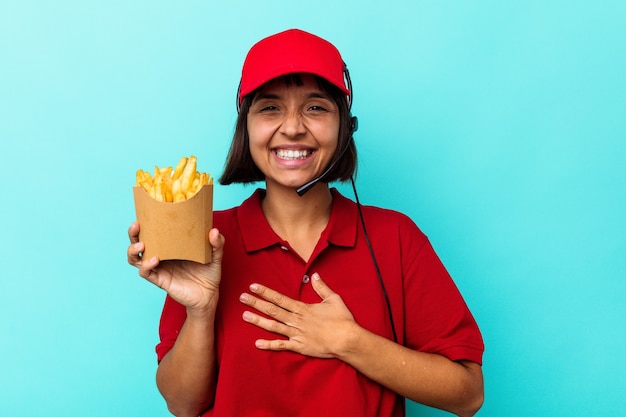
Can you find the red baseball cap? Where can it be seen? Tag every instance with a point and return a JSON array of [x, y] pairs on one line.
[[289, 52]]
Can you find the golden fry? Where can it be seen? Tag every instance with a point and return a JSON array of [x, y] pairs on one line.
[[145, 185], [159, 193], [144, 177], [176, 187], [179, 168], [188, 174], [139, 176]]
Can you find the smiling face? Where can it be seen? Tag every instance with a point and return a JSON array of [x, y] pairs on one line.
[[293, 131]]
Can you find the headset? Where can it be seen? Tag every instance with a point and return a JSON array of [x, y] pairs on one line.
[[354, 125]]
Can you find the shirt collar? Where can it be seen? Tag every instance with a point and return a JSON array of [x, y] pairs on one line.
[[257, 233]]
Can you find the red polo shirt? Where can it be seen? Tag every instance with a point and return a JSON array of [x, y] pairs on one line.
[[429, 313]]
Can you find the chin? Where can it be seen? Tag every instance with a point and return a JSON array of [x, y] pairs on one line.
[[290, 183]]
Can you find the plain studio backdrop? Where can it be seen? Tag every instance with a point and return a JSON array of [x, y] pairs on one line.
[[499, 127]]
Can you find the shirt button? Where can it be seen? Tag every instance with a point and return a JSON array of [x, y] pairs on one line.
[[285, 248], [306, 279]]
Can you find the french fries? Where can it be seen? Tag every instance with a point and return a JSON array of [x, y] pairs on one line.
[[173, 186]]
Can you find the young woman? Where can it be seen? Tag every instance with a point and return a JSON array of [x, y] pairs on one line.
[[313, 305]]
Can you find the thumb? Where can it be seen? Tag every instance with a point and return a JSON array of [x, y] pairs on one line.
[[320, 287], [216, 239]]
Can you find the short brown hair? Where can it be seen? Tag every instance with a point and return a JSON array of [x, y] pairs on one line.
[[240, 168]]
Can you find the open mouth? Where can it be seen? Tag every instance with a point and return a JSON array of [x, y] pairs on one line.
[[290, 154]]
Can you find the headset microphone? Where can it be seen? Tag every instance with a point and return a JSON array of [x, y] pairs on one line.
[[354, 125]]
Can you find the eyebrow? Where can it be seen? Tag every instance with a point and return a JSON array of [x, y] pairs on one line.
[[266, 96], [270, 96]]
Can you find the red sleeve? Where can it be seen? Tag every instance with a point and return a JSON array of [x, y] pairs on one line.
[[437, 317], [172, 320]]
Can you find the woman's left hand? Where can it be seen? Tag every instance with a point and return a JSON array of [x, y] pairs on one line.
[[316, 330]]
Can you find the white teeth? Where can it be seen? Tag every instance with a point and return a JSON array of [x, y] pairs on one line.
[[291, 154]]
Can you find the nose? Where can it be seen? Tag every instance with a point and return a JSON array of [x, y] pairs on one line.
[[292, 124]]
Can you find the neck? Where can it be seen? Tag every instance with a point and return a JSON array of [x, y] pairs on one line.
[[292, 215]]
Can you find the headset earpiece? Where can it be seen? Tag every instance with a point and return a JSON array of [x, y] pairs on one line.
[[354, 124]]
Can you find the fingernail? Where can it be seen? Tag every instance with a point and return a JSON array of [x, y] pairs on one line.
[[316, 276], [254, 287], [244, 297], [137, 245], [247, 316]]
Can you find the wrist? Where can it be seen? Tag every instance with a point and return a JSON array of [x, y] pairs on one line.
[[350, 342], [205, 311]]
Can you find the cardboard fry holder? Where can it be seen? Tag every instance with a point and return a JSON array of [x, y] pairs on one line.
[[176, 230]]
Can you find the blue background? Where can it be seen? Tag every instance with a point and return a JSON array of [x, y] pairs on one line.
[[497, 126]]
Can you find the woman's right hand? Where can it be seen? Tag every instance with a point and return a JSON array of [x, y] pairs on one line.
[[192, 284]]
